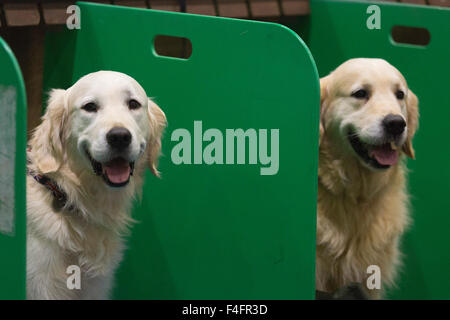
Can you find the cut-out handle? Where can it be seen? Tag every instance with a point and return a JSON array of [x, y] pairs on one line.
[[410, 35], [174, 47]]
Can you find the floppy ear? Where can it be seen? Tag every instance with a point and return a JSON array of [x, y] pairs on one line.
[[323, 95], [47, 140], [158, 123], [412, 104]]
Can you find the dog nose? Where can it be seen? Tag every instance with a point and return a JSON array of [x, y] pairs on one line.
[[119, 138], [394, 124]]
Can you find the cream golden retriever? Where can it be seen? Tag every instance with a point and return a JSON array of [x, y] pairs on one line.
[[86, 163], [368, 118]]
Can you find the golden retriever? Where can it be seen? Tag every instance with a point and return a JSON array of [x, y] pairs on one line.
[[368, 118], [86, 163]]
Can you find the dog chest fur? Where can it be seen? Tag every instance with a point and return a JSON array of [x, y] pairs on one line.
[[359, 223]]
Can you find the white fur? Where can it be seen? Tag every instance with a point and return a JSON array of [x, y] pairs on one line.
[[91, 236], [362, 212]]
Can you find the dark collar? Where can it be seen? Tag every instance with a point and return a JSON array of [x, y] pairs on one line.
[[58, 193]]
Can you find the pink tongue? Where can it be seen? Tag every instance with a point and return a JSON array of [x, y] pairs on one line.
[[385, 155], [118, 172]]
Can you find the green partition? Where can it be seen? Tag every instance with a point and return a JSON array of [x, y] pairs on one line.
[[13, 120], [338, 32], [217, 231]]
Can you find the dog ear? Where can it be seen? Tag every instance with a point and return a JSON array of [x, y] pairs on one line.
[[47, 140], [323, 95], [412, 109], [158, 123]]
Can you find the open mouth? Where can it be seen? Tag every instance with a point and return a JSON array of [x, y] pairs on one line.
[[381, 156], [116, 172]]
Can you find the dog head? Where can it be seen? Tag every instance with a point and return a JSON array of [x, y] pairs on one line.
[[368, 111], [104, 124]]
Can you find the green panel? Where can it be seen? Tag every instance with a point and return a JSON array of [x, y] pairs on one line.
[[338, 32], [58, 61], [13, 120], [218, 231]]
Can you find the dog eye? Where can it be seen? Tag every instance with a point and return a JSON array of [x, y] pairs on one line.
[[133, 104], [360, 94], [90, 107], [400, 94]]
